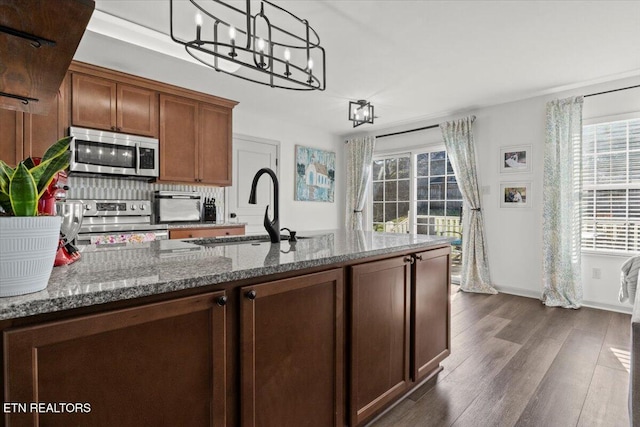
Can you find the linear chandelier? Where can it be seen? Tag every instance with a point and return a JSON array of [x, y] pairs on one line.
[[279, 50], [360, 112]]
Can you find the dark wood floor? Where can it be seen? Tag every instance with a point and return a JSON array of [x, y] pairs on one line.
[[515, 362]]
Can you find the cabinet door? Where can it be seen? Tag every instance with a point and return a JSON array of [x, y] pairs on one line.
[[190, 233], [162, 364], [431, 311], [137, 111], [215, 145], [11, 150], [178, 139], [380, 305], [93, 103], [41, 131], [292, 352]]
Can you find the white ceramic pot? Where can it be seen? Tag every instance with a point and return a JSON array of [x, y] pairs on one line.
[[28, 248]]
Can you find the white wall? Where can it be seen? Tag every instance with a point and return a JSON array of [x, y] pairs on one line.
[[514, 236], [299, 216]]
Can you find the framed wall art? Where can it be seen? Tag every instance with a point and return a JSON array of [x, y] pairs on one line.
[[515, 158], [315, 174], [515, 194]]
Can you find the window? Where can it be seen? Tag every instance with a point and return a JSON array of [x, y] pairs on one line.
[[438, 198], [611, 186], [428, 203], [391, 193]]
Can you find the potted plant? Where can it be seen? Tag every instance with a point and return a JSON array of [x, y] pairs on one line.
[[28, 241]]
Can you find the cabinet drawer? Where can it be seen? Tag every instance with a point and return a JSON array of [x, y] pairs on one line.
[[189, 233]]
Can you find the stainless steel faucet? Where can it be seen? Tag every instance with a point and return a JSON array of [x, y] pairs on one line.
[[272, 226]]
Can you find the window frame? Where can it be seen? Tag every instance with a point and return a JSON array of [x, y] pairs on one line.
[[412, 152], [609, 186]]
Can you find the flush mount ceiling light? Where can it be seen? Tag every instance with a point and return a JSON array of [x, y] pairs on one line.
[[272, 47], [360, 112]]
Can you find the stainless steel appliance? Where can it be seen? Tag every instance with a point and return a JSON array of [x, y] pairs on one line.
[[118, 222], [177, 206], [96, 151]]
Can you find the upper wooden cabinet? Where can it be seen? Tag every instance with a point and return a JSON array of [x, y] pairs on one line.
[[25, 135], [195, 141], [100, 103], [37, 72]]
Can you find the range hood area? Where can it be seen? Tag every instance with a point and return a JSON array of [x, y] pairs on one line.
[[38, 39]]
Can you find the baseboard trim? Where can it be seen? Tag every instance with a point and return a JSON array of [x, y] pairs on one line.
[[608, 307], [518, 291], [591, 304]]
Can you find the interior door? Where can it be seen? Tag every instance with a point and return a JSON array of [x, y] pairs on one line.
[[249, 156]]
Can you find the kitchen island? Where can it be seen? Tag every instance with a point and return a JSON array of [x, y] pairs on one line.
[[329, 330]]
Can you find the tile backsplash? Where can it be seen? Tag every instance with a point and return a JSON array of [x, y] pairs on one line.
[[89, 187]]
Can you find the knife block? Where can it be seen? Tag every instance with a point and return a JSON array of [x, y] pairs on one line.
[[210, 211]]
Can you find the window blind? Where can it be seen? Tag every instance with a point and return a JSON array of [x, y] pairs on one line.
[[611, 186]]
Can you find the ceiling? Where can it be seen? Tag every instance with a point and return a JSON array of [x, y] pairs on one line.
[[413, 60]]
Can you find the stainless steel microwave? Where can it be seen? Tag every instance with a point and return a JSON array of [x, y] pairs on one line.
[[101, 152]]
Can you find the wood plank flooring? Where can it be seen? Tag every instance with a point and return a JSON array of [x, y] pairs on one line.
[[515, 362]]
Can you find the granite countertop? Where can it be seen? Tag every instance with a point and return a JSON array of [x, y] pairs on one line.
[[118, 272], [204, 224]]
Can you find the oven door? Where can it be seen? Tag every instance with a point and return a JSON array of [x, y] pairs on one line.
[[121, 234]]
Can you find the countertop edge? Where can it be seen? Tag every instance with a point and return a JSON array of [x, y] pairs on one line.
[[68, 302]]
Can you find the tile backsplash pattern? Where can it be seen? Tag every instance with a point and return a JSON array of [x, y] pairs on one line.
[[89, 187]]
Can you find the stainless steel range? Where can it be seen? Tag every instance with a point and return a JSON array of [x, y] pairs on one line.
[[118, 222]]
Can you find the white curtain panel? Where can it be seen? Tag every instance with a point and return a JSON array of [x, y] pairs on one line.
[[359, 164], [458, 140], [561, 204]]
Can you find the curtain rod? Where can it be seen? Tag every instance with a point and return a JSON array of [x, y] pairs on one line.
[[404, 131], [407, 131], [612, 90], [435, 126]]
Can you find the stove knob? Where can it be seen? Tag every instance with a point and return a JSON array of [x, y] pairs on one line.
[[143, 207], [87, 207], [134, 207]]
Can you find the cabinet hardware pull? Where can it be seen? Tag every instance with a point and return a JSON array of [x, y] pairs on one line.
[[419, 257], [251, 295], [222, 301], [409, 259], [24, 99]]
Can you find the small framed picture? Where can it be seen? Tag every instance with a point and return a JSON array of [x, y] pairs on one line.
[[515, 194], [515, 158]]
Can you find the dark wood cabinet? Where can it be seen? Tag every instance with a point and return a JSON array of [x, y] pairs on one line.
[[27, 71], [195, 141], [292, 352], [157, 364], [380, 308], [25, 135], [100, 103], [11, 137], [400, 328], [431, 316]]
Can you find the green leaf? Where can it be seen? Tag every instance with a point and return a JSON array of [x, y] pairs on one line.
[[6, 173], [23, 192], [29, 163], [5, 203], [52, 167], [57, 149]]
